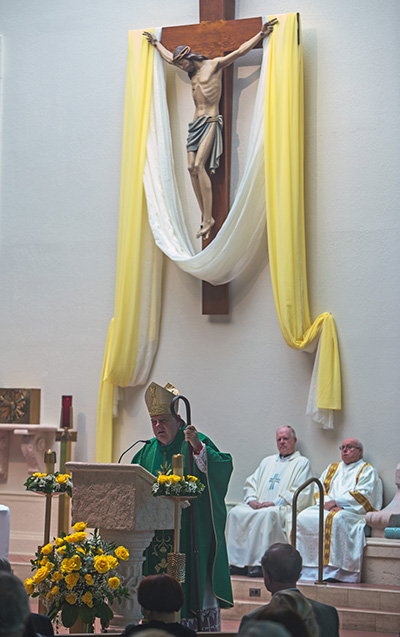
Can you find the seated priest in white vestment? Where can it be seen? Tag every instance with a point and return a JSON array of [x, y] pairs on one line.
[[265, 516], [352, 488]]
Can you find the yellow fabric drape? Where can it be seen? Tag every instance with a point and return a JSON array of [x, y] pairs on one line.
[[136, 256], [283, 151]]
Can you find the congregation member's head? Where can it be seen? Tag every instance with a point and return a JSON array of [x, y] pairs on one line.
[[286, 440], [258, 628], [281, 565], [352, 450], [5, 565], [295, 611], [158, 401], [284, 616], [14, 605], [154, 632], [159, 595]]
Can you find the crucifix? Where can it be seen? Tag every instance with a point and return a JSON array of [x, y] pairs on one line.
[[217, 34]]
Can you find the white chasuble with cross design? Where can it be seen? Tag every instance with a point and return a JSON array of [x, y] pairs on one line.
[[251, 531]]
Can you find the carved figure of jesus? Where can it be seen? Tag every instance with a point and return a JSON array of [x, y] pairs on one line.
[[205, 131]]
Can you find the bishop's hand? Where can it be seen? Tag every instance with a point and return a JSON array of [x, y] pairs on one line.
[[192, 437]]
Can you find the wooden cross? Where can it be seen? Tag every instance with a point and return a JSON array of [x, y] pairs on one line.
[[217, 34]]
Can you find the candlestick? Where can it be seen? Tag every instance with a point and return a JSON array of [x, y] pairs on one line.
[[65, 436]]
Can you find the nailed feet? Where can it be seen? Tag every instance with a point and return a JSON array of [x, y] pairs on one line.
[[205, 228]]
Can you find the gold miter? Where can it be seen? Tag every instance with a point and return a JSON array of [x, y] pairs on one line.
[[158, 399]]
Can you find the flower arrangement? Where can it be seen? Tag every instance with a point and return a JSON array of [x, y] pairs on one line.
[[175, 485], [49, 483], [76, 576]]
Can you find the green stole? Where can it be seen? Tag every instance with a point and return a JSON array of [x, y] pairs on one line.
[[210, 520]]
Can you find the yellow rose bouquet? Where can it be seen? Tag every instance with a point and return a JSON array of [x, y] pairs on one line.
[[49, 483], [76, 576], [175, 485]]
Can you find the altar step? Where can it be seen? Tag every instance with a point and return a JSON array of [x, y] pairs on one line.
[[361, 607], [21, 565]]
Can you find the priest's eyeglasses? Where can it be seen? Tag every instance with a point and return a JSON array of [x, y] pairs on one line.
[[348, 447]]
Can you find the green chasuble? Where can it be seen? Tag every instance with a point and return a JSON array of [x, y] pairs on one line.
[[210, 520]]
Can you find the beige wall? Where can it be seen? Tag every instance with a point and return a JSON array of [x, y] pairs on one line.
[[63, 92]]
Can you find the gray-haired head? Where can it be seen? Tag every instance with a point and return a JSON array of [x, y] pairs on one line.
[[360, 445], [352, 450], [286, 440], [14, 605], [292, 430]]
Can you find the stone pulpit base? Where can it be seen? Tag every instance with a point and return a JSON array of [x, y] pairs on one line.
[[117, 500]]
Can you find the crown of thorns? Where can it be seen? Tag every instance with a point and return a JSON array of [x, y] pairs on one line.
[[181, 52]]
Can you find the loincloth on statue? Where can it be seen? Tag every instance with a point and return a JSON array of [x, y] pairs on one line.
[[198, 129]]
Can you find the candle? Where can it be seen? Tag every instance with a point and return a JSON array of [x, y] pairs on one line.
[[66, 412], [178, 464], [50, 460]]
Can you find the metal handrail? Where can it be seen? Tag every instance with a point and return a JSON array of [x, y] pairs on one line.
[[321, 524]]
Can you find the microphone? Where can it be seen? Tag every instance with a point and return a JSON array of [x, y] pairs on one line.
[[146, 442]]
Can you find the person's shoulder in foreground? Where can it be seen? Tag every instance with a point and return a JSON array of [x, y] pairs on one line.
[[281, 565], [42, 625], [14, 605]]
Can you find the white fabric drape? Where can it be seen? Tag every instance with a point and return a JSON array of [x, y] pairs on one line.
[[236, 242], [323, 416], [233, 247]]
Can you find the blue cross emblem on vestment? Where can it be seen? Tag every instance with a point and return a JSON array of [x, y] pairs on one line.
[[274, 480]]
